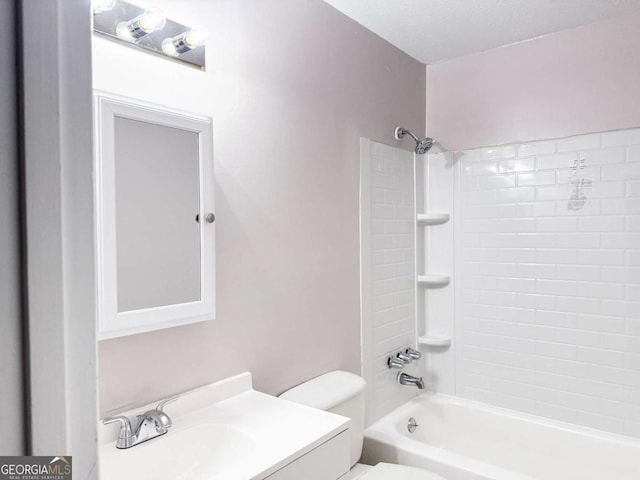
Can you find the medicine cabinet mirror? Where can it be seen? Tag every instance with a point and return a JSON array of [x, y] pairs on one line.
[[155, 209]]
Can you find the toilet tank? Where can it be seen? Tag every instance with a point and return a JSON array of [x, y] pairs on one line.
[[337, 392]]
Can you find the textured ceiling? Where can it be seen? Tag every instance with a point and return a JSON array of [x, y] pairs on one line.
[[437, 30]]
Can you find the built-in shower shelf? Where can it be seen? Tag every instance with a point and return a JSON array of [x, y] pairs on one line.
[[435, 341], [433, 281], [433, 218]]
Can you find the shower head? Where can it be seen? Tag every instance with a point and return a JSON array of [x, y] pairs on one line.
[[422, 146]]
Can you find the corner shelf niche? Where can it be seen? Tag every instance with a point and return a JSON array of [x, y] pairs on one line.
[[433, 281], [441, 341], [432, 218]]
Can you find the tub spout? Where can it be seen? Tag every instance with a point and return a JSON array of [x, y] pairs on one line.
[[406, 379]]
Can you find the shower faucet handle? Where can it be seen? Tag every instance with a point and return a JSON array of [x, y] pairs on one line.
[[414, 354], [404, 357], [394, 362]]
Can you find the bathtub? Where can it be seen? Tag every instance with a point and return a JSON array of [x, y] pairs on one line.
[[465, 440]]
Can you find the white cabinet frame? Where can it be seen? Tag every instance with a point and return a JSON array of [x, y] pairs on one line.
[[111, 322]]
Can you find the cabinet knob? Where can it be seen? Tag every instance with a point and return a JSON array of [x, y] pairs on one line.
[[210, 218]]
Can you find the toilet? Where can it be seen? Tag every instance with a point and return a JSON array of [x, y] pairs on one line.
[[342, 393]]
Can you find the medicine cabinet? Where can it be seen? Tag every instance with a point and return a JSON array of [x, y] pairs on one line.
[[155, 216]]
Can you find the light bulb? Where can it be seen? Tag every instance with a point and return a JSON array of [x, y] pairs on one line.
[[99, 6], [149, 21], [176, 46], [196, 36], [169, 47], [124, 32], [152, 19]]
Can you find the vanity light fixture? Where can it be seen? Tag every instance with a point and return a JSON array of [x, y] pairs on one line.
[[149, 30], [99, 6], [176, 46], [151, 20]]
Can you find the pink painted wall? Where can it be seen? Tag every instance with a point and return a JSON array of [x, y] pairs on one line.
[[291, 86], [577, 81]]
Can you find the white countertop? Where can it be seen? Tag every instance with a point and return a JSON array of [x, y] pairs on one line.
[[279, 432]]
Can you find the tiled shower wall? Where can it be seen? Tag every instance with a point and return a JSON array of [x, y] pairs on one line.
[[388, 271], [548, 265]]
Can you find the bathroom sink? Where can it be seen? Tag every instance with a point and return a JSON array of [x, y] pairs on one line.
[[223, 431], [212, 449]]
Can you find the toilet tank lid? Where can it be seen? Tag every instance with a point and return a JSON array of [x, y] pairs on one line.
[[326, 391]]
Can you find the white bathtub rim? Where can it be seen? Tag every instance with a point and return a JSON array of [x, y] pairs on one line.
[[440, 460], [387, 432], [390, 420]]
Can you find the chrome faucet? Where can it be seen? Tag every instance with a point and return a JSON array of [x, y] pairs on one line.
[[406, 379], [151, 424], [403, 358], [413, 354]]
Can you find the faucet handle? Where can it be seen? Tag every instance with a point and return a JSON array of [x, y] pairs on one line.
[[166, 401], [415, 354], [125, 435], [393, 362], [125, 423], [404, 357]]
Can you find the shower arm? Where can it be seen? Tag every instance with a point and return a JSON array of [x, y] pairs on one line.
[[422, 146], [403, 131]]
